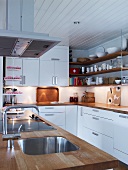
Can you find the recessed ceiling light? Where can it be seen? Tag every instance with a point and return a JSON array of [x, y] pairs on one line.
[[76, 22]]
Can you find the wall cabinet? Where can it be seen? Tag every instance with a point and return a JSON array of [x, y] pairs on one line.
[[27, 75], [13, 76], [54, 67], [71, 119], [30, 72], [53, 73], [54, 114]]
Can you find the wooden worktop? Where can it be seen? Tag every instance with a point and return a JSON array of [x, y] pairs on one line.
[[87, 157], [119, 109]]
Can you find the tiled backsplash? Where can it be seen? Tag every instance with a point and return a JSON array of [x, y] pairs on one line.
[[29, 94]]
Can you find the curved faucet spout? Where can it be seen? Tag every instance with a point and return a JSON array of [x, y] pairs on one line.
[[14, 107]]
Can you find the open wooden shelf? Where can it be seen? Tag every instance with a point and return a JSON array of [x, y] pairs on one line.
[[99, 85], [101, 72], [104, 58]]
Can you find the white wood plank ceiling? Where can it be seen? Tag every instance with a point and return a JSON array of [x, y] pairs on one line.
[[100, 20]]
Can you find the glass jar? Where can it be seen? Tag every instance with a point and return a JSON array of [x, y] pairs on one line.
[[75, 97], [119, 61]]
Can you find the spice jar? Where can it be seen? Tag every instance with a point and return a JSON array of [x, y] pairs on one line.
[[75, 97]]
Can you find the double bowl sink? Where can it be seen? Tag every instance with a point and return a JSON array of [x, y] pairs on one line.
[[46, 145]]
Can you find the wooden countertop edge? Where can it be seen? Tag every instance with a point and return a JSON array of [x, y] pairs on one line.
[[87, 157], [118, 109]]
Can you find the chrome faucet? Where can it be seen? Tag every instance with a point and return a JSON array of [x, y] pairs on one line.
[[11, 137]]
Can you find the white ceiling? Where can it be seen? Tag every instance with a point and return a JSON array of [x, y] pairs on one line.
[[100, 20]]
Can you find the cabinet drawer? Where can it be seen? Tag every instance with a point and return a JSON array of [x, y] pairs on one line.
[[49, 109], [101, 141], [121, 156], [55, 118], [101, 125], [99, 112]]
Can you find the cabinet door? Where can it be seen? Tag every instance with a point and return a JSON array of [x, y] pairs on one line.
[[13, 62], [30, 72], [80, 123], [71, 119], [61, 73], [46, 73], [58, 52], [101, 141], [55, 118], [121, 133]]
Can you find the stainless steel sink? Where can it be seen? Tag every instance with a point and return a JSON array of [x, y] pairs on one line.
[[46, 145]]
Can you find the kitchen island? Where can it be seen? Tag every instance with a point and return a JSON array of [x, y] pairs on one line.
[[87, 157]]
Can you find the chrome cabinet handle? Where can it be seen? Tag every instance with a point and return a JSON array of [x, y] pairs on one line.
[[122, 116], [21, 82], [81, 111], [53, 80], [49, 114], [95, 118], [24, 79], [94, 133], [49, 107], [55, 59], [94, 110], [56, 80]]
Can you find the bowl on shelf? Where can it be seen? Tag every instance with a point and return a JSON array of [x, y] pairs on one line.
[[92, 56], [101, 54], [113, 50], [117, 81]]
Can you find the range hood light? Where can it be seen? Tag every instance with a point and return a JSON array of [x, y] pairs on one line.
[[20, 46]]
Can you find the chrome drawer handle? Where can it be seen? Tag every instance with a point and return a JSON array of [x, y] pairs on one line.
[[55, 59], [122, 116], [94, 133], [94, 110], [95, 118], [49, 114], [81, 111], [49, 107]]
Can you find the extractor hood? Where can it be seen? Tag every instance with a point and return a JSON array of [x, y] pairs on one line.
[[25, 44]]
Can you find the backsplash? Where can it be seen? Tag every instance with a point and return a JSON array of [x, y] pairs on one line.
[[29, 94]]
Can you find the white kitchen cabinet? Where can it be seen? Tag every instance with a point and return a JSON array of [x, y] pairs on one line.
[[30, 72], [11, 71], [54, 114], [59, 52], [96, 127], [71, 119], [54, 67], [53, 73], [80, 133], [99, 140], [121, 137]]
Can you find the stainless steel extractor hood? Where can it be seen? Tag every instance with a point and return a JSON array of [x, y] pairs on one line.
[[25, 44]]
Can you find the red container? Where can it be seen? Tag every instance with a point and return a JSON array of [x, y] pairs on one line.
[[74, 70]]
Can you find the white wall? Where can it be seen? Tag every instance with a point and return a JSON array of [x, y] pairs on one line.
[[29, 94], [1, 82]]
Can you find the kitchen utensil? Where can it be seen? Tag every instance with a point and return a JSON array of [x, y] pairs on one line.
[[92, 56], [117, 81]]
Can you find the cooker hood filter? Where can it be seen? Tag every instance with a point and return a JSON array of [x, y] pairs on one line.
[[25, 44]]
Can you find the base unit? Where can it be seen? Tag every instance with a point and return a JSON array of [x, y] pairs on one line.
[[121, 156], [99, 140], [54, 114]]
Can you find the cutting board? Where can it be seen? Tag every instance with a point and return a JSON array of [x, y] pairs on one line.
[[50, 94], [114, 96]]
